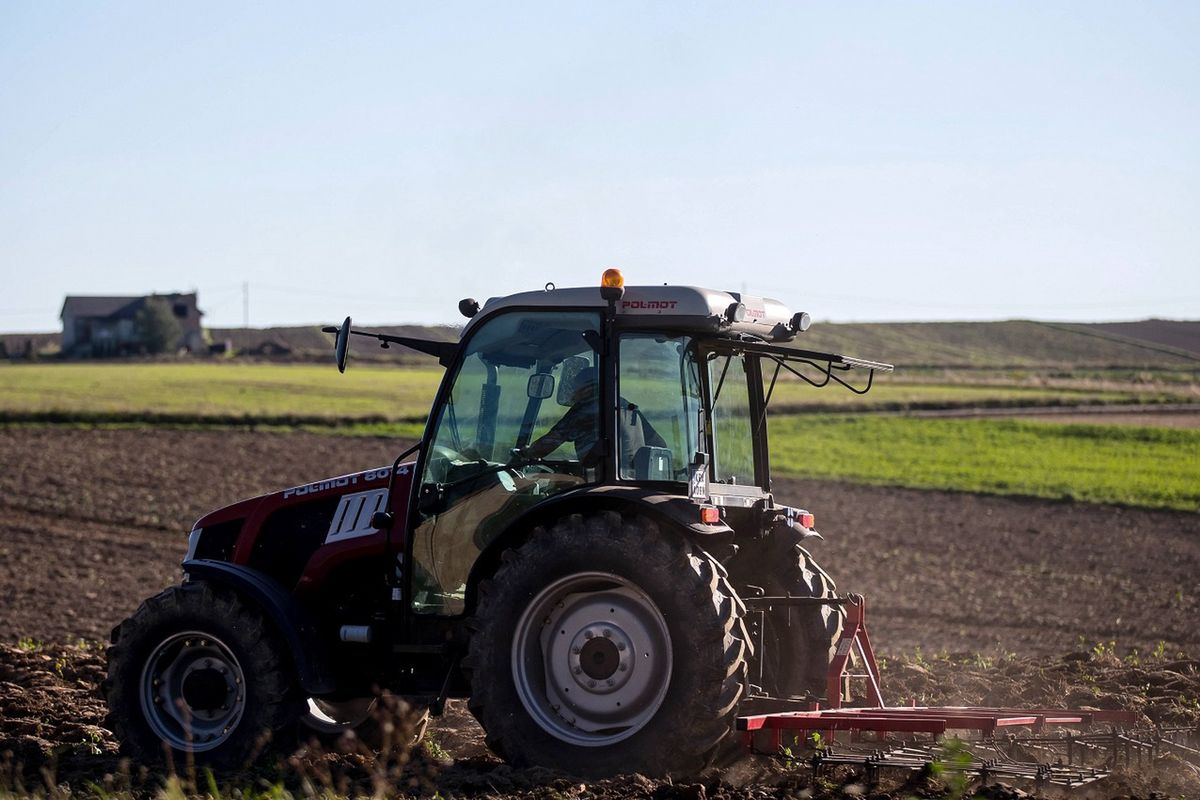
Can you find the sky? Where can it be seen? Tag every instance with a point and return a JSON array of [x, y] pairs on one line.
[[890, 161]]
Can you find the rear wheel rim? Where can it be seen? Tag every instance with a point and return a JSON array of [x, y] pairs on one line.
[[193, 691], [591, 659]]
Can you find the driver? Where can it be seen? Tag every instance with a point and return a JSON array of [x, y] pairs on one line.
[[580, 426]]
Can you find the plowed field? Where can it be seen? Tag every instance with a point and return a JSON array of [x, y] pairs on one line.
[[92, 521]]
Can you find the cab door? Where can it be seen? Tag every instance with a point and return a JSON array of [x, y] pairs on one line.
[[516, 378]]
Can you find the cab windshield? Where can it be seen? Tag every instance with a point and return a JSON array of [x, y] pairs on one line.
[[520, 423]]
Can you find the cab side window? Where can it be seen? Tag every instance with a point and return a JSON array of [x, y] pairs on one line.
[[658, 407], [733, 435]]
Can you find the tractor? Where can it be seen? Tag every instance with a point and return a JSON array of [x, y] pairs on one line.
[[569, 547]]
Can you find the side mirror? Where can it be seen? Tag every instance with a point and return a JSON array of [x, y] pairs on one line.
[[341, 345], [540, 386]]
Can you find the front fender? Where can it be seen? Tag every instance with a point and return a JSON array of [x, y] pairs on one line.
[[290, 619]]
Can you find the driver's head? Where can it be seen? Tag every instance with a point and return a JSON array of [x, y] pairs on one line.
[[585, 384]]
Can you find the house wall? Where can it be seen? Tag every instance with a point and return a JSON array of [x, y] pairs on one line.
[[110, 335]]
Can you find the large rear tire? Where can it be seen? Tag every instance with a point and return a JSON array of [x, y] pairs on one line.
[[198, 670], [604, 645], [797, 641]]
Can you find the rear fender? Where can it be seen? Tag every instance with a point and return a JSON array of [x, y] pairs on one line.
[[675, 514], [290, 619]]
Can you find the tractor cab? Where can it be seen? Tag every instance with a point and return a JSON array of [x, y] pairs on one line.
[[583, 391]]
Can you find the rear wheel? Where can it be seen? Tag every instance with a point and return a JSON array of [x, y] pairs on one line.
[[603, 645], [197, 670], [797, 641]]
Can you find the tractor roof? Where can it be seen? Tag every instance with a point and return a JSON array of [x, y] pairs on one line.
[[685, 308]]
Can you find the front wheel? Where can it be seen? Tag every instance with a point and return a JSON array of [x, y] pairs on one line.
[[197, 669], [605, 645]]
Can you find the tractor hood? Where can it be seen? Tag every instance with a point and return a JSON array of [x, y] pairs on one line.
[[324, 489], [304, 530]]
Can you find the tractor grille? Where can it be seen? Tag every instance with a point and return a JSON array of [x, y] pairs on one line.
[[217, 541], [289, 537]]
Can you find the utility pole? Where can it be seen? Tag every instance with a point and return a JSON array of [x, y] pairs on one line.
[[245, 304]]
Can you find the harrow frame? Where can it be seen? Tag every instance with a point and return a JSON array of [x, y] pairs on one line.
[[1000, 742]]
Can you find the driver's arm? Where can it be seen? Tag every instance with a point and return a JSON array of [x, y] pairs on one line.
[[556, 437]]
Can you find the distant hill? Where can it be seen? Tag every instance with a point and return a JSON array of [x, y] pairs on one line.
[[1154, 343], [1016, 343]]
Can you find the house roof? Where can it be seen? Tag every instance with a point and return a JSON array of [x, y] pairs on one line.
[[118, 307]]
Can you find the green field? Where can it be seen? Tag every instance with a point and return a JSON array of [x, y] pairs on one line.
[[250, 391], [184, 392], [1125, 465], [1138, 466], [1152, 467]]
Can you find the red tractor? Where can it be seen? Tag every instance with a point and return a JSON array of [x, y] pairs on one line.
[[568, 546]]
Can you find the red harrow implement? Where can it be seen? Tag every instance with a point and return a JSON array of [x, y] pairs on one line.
[[1048, 746]]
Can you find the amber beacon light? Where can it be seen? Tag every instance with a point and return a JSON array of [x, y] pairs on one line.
[[612, 285]]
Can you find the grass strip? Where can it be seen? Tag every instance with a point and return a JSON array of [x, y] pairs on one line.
[[1125, 465]]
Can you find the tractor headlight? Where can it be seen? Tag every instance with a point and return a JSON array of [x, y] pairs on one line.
[[193, 543]]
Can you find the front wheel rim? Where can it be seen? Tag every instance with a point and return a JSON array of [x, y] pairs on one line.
[[592, 659], [193, 691]]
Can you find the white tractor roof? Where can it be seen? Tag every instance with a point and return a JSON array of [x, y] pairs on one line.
[[690, 307]]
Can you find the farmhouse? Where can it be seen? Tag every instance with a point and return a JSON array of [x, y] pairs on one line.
[[104, 326]]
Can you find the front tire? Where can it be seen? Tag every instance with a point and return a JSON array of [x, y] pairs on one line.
[[197, 670], [604, 645]]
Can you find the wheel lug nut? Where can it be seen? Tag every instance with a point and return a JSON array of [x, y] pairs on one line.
[[611, 682], [591, 684], [621, 646], [624, 667], [607, 633], [578, 670], [576, 650], [589, 634]]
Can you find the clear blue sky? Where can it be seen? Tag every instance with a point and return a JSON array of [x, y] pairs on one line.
[[862, 162]]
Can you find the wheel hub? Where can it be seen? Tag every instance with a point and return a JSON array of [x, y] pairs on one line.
[[193, 691], [205, 690], [592, 659], [599, 658]]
